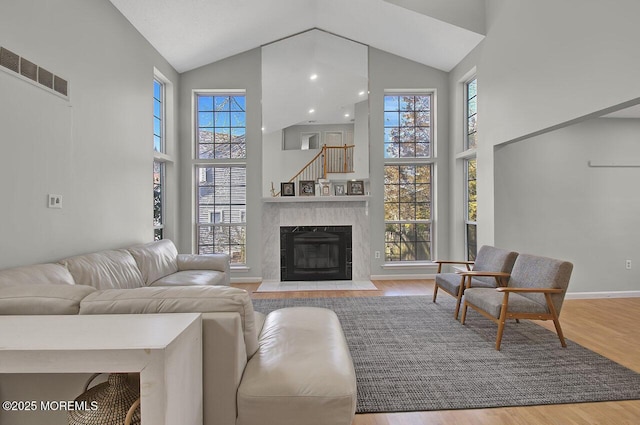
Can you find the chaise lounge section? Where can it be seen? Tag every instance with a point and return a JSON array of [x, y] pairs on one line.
[[292, 366]]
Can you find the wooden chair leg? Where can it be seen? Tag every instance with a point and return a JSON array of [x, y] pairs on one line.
[[556, 321], [459, 298], [464, 312], [502, 319], [435, 287]]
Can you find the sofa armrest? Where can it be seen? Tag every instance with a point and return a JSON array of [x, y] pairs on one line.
[[218, 262]]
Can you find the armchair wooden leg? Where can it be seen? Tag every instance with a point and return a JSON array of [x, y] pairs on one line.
[[459, 298], [502, 319], [464, 312], [556, 321], [435, 292]]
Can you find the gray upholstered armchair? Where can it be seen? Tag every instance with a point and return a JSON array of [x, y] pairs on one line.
[[494, 263], [536, 290]]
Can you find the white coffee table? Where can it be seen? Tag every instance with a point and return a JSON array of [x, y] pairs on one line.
[[166, 349]]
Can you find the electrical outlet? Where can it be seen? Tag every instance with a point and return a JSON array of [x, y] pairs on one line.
[[627, 264], [376, 254], [55, 201]]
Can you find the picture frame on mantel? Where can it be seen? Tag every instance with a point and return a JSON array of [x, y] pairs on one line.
[[338, 189], [355, 187], [288, 189], [307, 188]]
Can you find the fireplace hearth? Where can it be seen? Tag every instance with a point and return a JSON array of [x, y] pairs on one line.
[[315, 253]]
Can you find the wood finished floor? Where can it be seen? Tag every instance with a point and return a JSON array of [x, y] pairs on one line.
[[609, 327]]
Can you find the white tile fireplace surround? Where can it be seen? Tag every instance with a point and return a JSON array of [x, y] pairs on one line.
[[279, 212]]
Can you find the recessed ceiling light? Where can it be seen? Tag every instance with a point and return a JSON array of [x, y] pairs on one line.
[[313, 77], [346, 115], [361, 93], [311, 111]]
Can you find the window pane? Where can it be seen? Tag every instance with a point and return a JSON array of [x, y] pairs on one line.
[[471, 140], [407, 203], [222, 206], [472, 242], [158, 197], [410, 126], [222, 121], [391, 103]]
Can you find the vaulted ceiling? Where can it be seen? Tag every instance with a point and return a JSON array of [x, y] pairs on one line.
[[193, 33]]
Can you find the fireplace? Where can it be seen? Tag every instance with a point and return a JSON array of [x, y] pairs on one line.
[[315, 253]]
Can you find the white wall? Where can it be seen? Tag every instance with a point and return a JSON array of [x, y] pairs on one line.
[[95, 149], [389, 72], [545, 63], [553, 203], [237, 72]]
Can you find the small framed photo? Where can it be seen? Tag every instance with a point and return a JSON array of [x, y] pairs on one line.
[[338, 189], [288, 189], [355, 187], [325, 189], [307, 188]]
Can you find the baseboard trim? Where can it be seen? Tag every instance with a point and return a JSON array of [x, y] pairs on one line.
[[403, 276], [604, 294]]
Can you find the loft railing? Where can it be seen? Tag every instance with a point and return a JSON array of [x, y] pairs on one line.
[[330, 159]]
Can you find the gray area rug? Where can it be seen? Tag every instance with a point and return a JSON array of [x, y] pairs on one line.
[[411, 355]]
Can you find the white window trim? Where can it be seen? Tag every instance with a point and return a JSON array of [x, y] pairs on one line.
[[432, 161], [197, 163]]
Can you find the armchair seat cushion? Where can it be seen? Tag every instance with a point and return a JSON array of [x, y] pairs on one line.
[[490, 300], [450, 282], [192, 278]]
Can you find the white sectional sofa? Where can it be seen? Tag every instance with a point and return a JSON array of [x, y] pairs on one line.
[[290, 367]]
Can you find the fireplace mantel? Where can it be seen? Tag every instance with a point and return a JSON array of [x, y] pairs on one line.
[[296, 199]]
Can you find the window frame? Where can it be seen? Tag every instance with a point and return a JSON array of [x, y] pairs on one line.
[[158, 227], [468, 116], [159, 156], [468, 222], [216, 162], [414, 161]]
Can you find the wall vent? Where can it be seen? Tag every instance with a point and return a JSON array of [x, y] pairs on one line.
[[45, 78], [9, 60], [29, 71]]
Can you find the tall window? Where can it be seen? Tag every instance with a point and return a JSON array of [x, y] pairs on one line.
[[221, 175], [408, 135], [471, 90], [471, 210], [471, 142], [158, 166]]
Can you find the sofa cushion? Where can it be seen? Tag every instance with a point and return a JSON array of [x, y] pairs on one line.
[[42, 299], [105, 269], [184, 299], [37, 274], [301, 374], [155, 260], [192, 277]]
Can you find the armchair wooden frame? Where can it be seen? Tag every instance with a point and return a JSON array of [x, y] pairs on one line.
[[466, 275], [505, 314], [458, 296]]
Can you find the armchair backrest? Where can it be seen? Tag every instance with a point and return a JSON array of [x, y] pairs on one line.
[[492, 259], [531, 271]]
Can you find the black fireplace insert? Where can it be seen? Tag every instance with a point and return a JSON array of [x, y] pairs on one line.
[[315, 253]]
